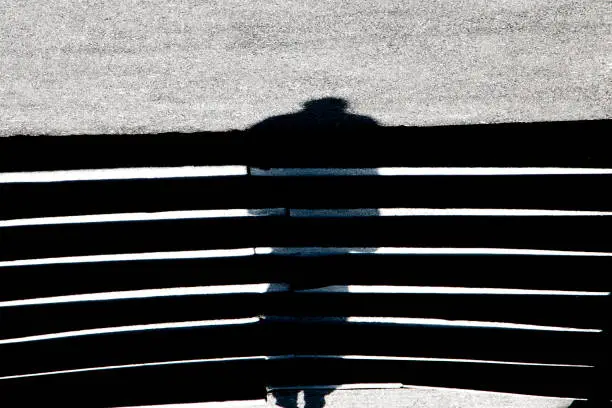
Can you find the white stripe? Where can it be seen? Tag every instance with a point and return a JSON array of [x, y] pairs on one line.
[[239, 213], [122, 174], [486, 171], [319, 251], [425, 359], [209, 253], [139, 327], [122, 217], [151, 293], [486, 251], [463, 323], [279, 357], [220, 404], [407, 212], [383, 289], [425, 171], [115, 367], [409, 321]]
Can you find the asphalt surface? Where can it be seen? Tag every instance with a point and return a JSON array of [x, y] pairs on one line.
[[133, 66], [409, 398]]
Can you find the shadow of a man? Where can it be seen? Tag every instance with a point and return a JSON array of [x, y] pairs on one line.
[[321, 124]]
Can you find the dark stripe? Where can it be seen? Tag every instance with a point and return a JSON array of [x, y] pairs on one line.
[[492, 271], [565, 311], [133, 237], [27, 282], [561, 192], [503, 145], [553, 233], [108, 151], [513, 144], [342, 338], [552, 381], [52, 318], [217, 381], [106, 197], [550, 233], [131, 348], [499, 271]]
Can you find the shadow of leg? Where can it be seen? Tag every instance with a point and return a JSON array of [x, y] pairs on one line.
[[315, 398], [285, 399]]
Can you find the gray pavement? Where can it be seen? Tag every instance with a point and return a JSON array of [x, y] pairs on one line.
[[132, 66], [411, 398]]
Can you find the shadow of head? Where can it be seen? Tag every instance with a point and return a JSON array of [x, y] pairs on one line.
[[326, 106], [317, 114]]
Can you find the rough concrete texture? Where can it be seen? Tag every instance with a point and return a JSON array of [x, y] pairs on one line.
[[412, 398], [134, 66]]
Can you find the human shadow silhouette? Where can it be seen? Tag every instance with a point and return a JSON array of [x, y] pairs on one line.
[[321, 122]]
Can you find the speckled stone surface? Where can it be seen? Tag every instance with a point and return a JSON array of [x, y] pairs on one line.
[[134, 66], [410, 398]]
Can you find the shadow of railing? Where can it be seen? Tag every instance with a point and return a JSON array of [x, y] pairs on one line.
[[321, 158]]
